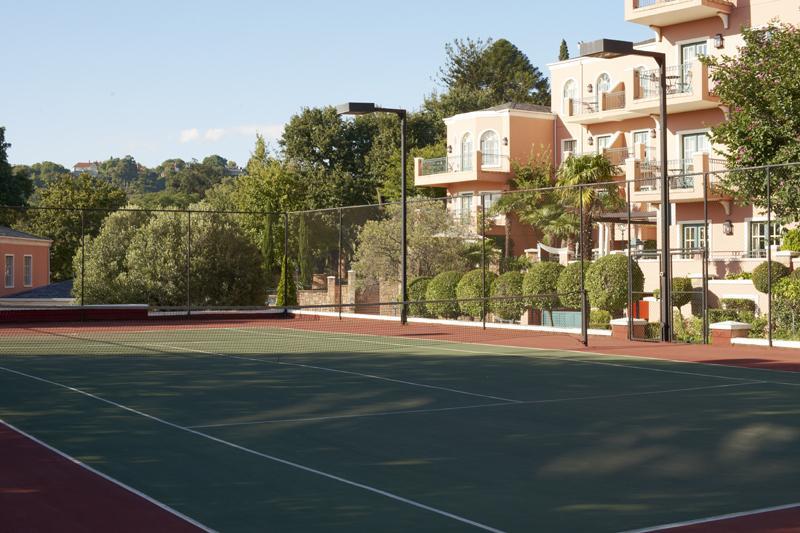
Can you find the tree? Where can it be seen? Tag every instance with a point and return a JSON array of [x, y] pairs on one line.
[[121, 172], [15, 184], [304, 267], [595, 170], [607, 283], [59, 219], [563, 51], [763, 126], [540, 284], [479, 74], [287, 290], [46, 171]]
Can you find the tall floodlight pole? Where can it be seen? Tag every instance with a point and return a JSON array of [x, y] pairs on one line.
[[609, 49], [365, 108]]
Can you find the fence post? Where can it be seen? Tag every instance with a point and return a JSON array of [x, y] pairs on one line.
[[83, 262], [630, 261], [188, 264], [706, 238], [769, 257], [285, 261], [339, 285], [483, 259], [584, 303]]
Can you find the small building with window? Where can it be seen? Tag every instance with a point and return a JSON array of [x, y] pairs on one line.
[[25, 261]]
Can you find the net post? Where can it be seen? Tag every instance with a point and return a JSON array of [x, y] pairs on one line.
[[769, 257], [706, 236], [584, 325], [338, 287], [483, 260], [188, 263], [630, 260], [285, 262], [83, 263]]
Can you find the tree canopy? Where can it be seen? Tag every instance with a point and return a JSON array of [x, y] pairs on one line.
[[15, 183]]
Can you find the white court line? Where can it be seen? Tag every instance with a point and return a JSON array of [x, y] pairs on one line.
[[276, 459], [715, 518], [326, 369], [83, 465], [477, 406]]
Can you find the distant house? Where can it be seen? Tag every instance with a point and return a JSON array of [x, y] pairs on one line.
[[25, 261], [88, 167]]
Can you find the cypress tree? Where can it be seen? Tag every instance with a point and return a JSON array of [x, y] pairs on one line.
[[563, 51]]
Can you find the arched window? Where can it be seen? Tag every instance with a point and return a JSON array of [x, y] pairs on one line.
[[490, 149], [466, 152], [570, 93], [603, 86]]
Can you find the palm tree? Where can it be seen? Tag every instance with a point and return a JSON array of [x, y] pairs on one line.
[[590, 169]]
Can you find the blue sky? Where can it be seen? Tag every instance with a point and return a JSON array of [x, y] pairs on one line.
[[85, 80]]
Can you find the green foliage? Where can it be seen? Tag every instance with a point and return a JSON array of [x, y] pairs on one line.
[[758, 327], [563, 51], [791, 240], [64, 226], [15, 183], [193, 178], [469, 287], [722, 315], [510, 285], [682, 291], [599, 319], [761, 275], [569, 284], [687, 329], [607, 283], [764, 120], [739, 275], [542, 279], [478, 74], [738, 304], [514, 264], [303, 255], [443, 287], [287, 290], [416, 293], [786, 305], [46, 171]]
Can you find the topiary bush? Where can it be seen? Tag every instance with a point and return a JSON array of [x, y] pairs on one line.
[[738, 304], [569, 284], [508, 284], [786, 306], [739, 275], [682, 291], [443, 287], [599, 319], [542, 279], [791, 240], [761, 275], [416, 294], [470, 287], [607, 283]]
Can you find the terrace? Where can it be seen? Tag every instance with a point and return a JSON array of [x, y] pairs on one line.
[[473, 166], [662, 13]]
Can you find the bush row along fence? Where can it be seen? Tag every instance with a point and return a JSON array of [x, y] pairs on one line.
[[571, 257]]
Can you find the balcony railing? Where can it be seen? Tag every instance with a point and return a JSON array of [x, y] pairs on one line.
[[650, 172], [443, 165], [595, 104], [678, 77], [615, 100], [585, 106], [616, 156], [648, 3]]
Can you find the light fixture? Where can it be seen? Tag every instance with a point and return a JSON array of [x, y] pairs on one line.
[[652, 133], [589, 88], [727, 227], [449, 148], [505, 141], [719, 41], [590, 141]]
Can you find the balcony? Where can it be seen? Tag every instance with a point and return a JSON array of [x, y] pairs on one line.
[[688, 89], [475, 166], [660, 13], [608, 107], [687, 179]]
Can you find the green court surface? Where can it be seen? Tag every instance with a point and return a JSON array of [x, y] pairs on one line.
[[273, 429]]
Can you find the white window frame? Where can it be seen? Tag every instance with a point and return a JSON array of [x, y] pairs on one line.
[[680, 135], [496, 162], [748, 237], [564, 148], [679, 237], [564, 99], [648, 151], [597, 148], [489, 202], [7, 270], [27, 270], [466, 158]]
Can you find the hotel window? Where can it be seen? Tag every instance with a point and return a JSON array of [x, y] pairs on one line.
[[27, 270], [9, 274], [569, 145], [570, 93], [758, 237], [490, 149], [466, 152], [643, 138], [465, 209], [603, 86], [693, 237], [602, 143], [691, 144], [489, 199]]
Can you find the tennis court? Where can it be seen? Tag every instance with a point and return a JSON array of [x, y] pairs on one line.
[[291, 425]]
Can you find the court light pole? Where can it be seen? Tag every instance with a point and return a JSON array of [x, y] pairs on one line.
[[365, 108], [609, 49]]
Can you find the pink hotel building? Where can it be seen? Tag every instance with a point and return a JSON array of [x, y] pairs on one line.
[[610, 106]]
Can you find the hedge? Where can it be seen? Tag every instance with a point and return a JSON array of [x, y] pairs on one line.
[[508, 284], [738, 304], [569, 284], [791, 240], [682, 291], [599, 319], [470, 287], [542, 278], [416, 293], [443, 287], [607, 283], [761, 275]]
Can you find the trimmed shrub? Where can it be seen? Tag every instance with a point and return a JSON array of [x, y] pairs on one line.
[[607, 283], [470, 287], [687, 329], [786, 305], [739, 275], [416, 293], [738, 304], [286, 285], [761, 275], [443, 287], [791, 240], [682, 291], [542, 278], [569, 284], [508, 284], [599, 319], [758, 329]]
